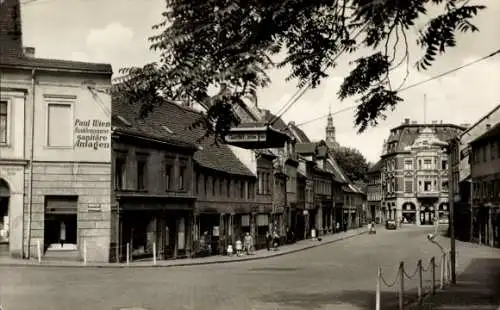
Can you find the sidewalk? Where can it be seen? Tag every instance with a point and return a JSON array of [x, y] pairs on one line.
[[478, 283], [260, 254]]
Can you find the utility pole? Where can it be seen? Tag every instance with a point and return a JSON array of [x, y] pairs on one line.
[[453, 144]]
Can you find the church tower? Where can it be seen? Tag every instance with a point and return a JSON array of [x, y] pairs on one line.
[[330, 132]]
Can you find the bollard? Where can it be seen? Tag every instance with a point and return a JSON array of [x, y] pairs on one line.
[[433, 266], [401, 285], [154, 253], [85, 252], [420, 280], [377, 292], [39, 251], [445, 268], [128, 254], [441, 275]]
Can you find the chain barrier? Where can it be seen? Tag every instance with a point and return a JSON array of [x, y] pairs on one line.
[[394, 282], [402, 274]]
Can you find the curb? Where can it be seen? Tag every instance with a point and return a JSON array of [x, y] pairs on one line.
[[121, 265]]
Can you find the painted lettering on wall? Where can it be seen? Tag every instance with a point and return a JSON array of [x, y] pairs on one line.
[[92, 134]]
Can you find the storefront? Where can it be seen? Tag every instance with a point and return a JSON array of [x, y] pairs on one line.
[[409, 212], [427, 215]]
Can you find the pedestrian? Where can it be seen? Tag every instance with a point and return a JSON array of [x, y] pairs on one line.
[[337, 227], [247, 243], [269, 238], [62, 234], [276, 240]]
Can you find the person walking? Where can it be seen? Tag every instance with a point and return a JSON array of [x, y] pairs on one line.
[[248, 243], [269, 239], [62, 234]]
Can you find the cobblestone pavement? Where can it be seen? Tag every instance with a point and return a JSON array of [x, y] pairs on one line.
[[340, 276]]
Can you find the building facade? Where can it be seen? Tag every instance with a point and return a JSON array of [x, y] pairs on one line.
[[55, 150], [465, 225], [415, 173], [374, 193], [485, 174]]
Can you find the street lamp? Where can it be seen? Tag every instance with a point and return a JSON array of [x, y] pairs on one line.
[[452, 198]]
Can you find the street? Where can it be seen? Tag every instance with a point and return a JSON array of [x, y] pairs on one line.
[[341, 275]]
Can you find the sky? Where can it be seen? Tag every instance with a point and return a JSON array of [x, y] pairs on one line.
[[102, 31]]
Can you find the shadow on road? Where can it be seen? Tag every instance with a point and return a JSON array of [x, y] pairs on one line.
[[478, 287]]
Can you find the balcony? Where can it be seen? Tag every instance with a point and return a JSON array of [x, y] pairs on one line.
[[428, 194]]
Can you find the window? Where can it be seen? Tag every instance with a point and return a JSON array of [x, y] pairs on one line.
[[419, 164], [483, 150], [142, 165], [251, 188], [444, 164], [493, 149], [3, 122], [242, 189], [120, 171], [182, 177], [205, 185], [60, 125], [228, 188], [408, 186], [408, 164], [214, 186], [221, 186], [444, 186], [260, 185], [427, 186], [169, 173], [427, 164]]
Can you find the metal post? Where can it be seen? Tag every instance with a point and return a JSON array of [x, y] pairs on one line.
[[445, 267], [420, 280], [39, 251], [433, 266], [377, 292], [154, 253], [441, 275], [128, 253], [85, 252], [451, 206], [401, 285]]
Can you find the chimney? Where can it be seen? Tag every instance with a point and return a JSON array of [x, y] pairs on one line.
[[11, 38], [434, 122], [407, 121], [29, 51]]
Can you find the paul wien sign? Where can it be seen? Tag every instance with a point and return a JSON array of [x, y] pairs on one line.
[[92, 134]]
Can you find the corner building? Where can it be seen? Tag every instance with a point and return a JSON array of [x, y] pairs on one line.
[[415, 173], [55, 151]]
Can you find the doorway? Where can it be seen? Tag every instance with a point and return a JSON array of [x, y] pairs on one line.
[[427, 215], [60, 231], [4, 217]]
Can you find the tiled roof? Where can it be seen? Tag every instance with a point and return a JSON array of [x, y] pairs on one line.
[[377, 167], [172, 121], [493, 132]]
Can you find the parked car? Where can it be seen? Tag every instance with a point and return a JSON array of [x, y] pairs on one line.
[[390, 224]]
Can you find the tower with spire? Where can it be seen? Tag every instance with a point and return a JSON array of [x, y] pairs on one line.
[[330, 131]]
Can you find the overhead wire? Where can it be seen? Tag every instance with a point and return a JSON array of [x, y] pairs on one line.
[[410, 86]]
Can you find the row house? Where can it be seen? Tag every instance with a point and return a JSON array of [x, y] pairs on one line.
[[485, 174], [55, 151], [415, 172], [374, 193], [466, 212]]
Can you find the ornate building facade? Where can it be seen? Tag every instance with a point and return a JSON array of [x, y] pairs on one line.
[[415, 173]]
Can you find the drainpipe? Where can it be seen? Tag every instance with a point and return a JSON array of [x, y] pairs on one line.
[[30, 170]]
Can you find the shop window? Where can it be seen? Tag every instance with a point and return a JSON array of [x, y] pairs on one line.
[[60, 125], [4, 116]]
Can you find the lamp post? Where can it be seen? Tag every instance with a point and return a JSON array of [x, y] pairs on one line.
[[452, 198]]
